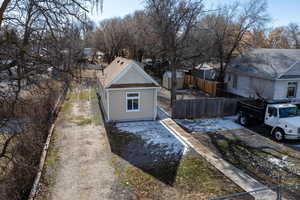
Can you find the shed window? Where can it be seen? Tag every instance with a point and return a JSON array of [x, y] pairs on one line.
[[132, 101], [234, 81], [292, 90]]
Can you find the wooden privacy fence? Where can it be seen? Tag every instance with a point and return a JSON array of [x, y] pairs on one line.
[[210, 87], [206, 107]]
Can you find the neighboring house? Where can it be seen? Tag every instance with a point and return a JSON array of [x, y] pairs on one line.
[[127, 92], [266, 73], [167, 80]]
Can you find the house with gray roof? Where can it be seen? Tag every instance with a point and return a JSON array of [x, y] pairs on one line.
[[127, 92], [272, 74]]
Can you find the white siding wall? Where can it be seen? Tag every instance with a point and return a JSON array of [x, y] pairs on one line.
[[243, 84], [281, 89], [263, 87], [248, 86]]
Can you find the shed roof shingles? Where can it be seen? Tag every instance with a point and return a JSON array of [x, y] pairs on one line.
[[114, 69], [133, 85]]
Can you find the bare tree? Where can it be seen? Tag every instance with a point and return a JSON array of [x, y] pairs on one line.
[[293, 32], [39, 43], [140, 40], [130, 35], [6, 4], [278, 38], [115, 34], [31, 45], [172, 22], [111, 38], [257, 38], [228, 27]]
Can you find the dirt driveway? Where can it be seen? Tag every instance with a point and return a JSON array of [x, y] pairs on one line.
[[78, 165]]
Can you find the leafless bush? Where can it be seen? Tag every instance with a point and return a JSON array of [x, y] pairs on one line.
[[21, 158]]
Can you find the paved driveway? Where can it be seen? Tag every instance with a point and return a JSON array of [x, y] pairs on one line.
[[262, 130]]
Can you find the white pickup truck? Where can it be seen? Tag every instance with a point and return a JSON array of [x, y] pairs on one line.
[[282, 118]]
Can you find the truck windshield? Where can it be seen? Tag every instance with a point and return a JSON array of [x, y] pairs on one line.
[[287, 112]]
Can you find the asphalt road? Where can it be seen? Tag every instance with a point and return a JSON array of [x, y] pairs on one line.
[[262, 130]]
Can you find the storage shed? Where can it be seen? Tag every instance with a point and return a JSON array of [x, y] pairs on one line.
[[167, 82], [127, 92]]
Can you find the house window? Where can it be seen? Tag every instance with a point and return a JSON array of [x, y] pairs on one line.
[[229, 78], [234, 81], [292, 90], [132, 102]]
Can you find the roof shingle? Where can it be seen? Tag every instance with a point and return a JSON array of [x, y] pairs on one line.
[[268, 63]]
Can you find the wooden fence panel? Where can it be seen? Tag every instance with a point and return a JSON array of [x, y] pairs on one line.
[[206, 107], [207, 86]]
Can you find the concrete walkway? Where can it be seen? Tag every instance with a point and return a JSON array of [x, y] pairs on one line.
[[242, 179]]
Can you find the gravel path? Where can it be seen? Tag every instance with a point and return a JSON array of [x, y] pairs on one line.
[[84, 169]]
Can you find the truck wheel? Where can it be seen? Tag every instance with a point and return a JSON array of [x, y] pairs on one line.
[[243, 119], [278, 135]]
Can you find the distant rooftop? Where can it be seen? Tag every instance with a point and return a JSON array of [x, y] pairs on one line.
[[268, 63]]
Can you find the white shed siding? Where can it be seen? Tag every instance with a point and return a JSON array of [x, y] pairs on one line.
[[132, 76], [102, 92], [117, 108]]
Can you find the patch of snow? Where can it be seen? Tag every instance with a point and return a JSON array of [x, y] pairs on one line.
[[154, 134], [283, 163], [210, 125]]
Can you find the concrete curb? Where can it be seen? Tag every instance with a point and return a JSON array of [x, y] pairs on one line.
[[164, 111], [240, 178], [46, 147]]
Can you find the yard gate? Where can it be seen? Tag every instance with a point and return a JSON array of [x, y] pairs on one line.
[[206, 107]]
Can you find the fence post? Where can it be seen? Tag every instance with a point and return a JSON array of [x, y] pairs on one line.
[[279, 195], [221, 108]]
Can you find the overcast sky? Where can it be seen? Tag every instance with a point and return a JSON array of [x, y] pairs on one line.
[[282, 12]]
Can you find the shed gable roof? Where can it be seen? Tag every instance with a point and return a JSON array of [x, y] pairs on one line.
[[119, 68], [268, 63]]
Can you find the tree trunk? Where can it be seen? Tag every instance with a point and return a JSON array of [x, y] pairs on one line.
[[2, 10], [173, 81]]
